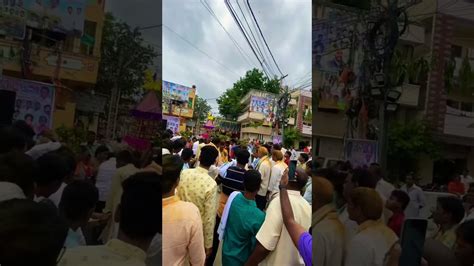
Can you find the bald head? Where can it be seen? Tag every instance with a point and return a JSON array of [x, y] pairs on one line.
[[323, 192]]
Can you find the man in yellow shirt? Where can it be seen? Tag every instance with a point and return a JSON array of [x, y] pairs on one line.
[[264, 166], [139, 215], [198, 187]]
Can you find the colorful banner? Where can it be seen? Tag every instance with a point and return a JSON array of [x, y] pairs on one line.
[[34, 102], [175, 91], [277, 139], [172, 122], [66, 16], [261, 105], [360, 152]]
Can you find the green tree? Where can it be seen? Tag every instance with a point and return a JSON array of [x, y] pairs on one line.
[[229, 102], [201, 109], [124, 58], [406, 142], [290, 137]]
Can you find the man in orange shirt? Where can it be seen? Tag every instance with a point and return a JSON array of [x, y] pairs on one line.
[[182, 225]]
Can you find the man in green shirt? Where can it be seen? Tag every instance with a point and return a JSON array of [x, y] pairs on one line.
[[243, 223]]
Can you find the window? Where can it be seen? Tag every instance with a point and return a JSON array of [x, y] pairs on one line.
[[88, 38]]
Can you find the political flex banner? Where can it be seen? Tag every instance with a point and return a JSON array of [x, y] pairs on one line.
[[175, 91], [34, 102], [172, 123], [360, 152]]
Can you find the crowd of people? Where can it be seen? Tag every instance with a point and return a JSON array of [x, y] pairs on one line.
[[233, 203], [96, 204], [211, 202]]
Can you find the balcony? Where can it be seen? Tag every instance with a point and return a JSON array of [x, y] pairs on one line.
[[74, 66], [257, 130], [249, 116], [459, 123]]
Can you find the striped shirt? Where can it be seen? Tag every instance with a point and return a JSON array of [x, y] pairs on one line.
[[234, 180]]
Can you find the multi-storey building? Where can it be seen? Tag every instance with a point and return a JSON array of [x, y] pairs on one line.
[[72, 66], [256, 120]]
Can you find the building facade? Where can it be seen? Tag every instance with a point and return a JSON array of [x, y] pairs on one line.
[[257, 119], [71, 62]]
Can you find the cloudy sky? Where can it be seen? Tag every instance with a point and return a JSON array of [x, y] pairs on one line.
[[286, 25]]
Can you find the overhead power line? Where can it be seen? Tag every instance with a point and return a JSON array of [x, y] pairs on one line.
[[191, 44], [263, 37], [236, 44]]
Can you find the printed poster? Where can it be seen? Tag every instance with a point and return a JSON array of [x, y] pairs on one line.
[[175, 91], [360, 152], [172, 123], [34, 102], [66, 16], [261, 105], [277, 139]]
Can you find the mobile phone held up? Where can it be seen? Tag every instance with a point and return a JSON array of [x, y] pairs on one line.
[[292, 170], [413, 241]]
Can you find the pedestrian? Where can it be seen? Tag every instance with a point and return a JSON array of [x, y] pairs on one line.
[[448, 214], [383, 187], [186, 156], [51, 173], [182, 224], [455, 186], [103, 182], [264, 167], [276, 174], [374, 239], [467, 180], [287, 157], [139, 217], [327, 229], [241, 221], [397, 203], [77, 204], [417, 197], [274, 244], [465, 243], [17, 176], [31, 233], [198, 187], [302, 159], [125, 169]]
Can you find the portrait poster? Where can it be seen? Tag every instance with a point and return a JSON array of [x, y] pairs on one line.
[[360, 152], [172, 123], [12, 19], [34, 102], [261, 105]]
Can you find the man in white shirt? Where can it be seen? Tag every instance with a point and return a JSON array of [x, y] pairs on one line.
[[383, 187], [104, 181], [274, 244], [466, 179], [417, 197], [276, 173], [195, 145]]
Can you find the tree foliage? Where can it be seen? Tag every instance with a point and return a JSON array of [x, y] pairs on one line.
[[406, 142], [229, 102], [124, 58], [201, 109], [290, 137]]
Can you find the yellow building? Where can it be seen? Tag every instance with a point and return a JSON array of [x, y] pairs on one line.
[[179, 101], [79, 64]]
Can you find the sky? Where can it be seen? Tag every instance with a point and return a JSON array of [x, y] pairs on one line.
[[286, 25]]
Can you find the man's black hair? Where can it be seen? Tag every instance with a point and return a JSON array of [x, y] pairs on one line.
[[208, 156], [465, 231], [187, 154], [27, 131], [402, 197], [20, 169], [179, 144], [363, 178], [242, 156], [277, 147], [140, 206], [69, 157], [11, 139], [78, 198], [304, 156], [101, 149], [288, 152], [31, 233], [172, 166], [125, 157], [52, 168], [252, 180], [194, 139], [453, 206]]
